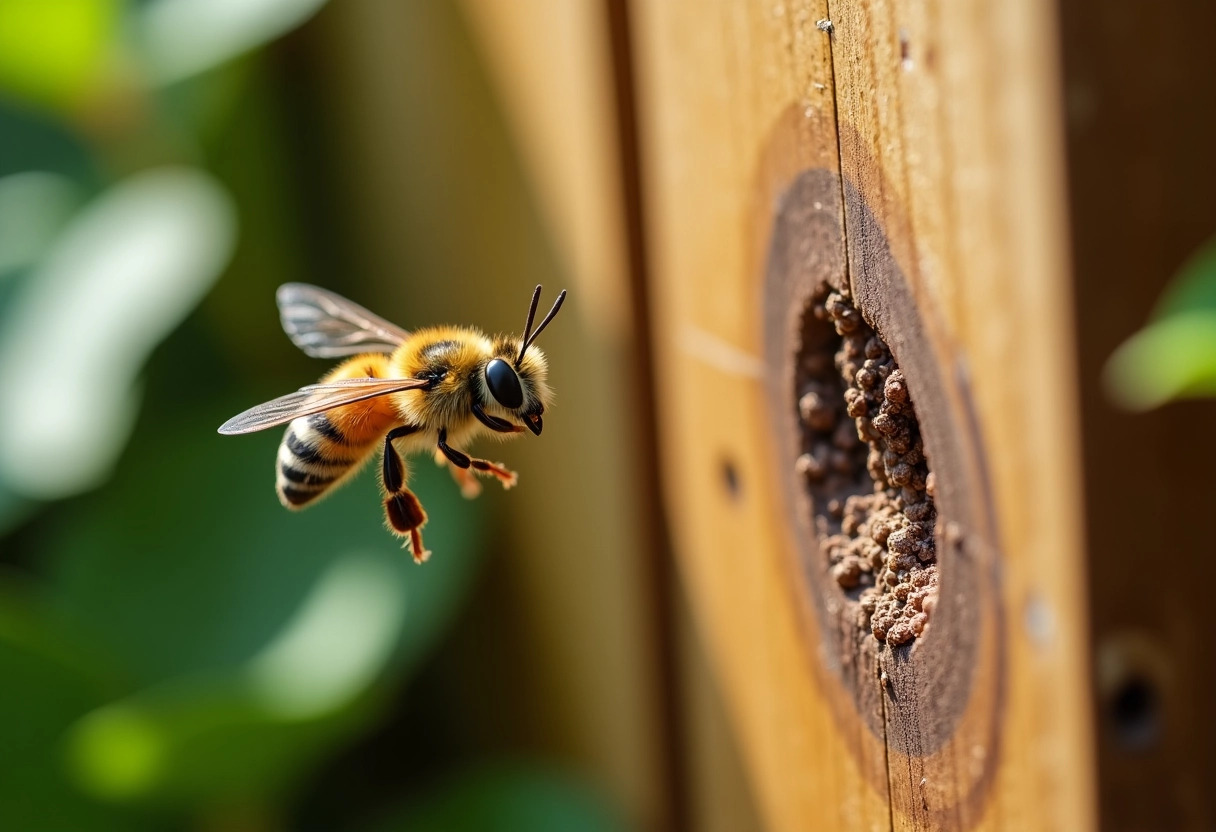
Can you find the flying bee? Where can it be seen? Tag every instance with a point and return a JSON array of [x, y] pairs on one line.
[[436, 388]]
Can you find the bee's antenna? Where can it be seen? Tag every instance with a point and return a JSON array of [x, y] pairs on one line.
[[531, 317], [529, 335]]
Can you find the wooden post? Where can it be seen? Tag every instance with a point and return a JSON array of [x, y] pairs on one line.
[[907, 157], [1141, 168]]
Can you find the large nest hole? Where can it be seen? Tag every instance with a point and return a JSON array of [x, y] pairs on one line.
[[863, 462]]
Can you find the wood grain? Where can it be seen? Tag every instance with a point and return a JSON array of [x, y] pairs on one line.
[[713, 82], [940, 122]]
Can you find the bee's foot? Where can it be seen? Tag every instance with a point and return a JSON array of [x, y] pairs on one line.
[[506, 476]]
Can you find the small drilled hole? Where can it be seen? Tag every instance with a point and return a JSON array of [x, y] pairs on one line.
[[1134, 712], [730, 479], [864, 466]]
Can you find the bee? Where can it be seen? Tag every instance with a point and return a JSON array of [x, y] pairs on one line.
[[437, 388]]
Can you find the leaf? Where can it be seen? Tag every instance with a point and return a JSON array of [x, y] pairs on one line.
[[1194, 289], [199, 742], [52, 53], [256, 639], [120, 278], [32, 141], [507, 798], [34, 207], [1174, 357], [181, 38], [50, 679]]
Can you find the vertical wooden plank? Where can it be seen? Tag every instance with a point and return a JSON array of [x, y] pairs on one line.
[[552, 68], [719, 791], [950, 128], [551, 64], [939, 123], [735, 100], [445, 218], [1140, 79]]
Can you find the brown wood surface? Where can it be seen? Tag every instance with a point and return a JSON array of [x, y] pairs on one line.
[[562, 73], [1141, 174], [932, 132]]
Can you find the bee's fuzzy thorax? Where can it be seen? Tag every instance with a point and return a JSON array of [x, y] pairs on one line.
[[458, 357]]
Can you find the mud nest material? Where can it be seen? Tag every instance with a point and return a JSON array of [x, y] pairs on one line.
[[864, 466]]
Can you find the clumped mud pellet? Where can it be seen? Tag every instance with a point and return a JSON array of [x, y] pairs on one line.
[[863, 463]]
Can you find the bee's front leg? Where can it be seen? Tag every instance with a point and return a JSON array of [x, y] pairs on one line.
[[493, 422], [507, 477]]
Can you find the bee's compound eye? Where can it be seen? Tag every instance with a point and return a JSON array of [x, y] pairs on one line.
[[504, 384]]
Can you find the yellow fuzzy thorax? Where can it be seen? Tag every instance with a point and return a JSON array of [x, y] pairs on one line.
[[463, 353]]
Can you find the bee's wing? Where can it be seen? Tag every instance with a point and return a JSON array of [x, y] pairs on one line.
[[314, 399], [326, 325]]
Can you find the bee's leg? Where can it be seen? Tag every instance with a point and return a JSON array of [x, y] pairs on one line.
[[493, 422], [402, 508], [393, 472], [470, 488], [507, 477], [406, 516]]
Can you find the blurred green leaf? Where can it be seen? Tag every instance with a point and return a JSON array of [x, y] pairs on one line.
[[34, 141], [254, 729], [1174, 356], [14, 509], [507, 799], [257, 638], [180, 38], [1194, 288], [34, 207], [50, 679], [52, 52], [1171, 358], [199, 742], [120, 278]]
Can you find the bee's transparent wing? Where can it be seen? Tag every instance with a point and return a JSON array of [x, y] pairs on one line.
[[326, 325], [314, 399]]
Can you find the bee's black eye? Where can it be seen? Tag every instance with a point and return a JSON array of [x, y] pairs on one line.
[[504, 384]]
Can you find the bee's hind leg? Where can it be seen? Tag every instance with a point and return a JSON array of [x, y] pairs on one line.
[[406, 516], [507, 477], [404, 511]]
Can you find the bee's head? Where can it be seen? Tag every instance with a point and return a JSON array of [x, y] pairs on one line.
[[517, 381]]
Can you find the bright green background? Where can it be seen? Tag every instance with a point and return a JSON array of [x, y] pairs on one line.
[[177, 651]]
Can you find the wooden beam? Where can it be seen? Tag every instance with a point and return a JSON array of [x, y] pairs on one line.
[[909, 156], [1140, 78]]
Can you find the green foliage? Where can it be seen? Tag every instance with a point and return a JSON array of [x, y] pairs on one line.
[[241, 643], [1175, 355], [176, 648], [507, 798], [50, 680], [117, 279], [53, 53]]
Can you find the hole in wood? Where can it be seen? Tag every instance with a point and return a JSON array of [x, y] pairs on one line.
[[945, 694], [864, 467], [730, 479], [1133, 713]]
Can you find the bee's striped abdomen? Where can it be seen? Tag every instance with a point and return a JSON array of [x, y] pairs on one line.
[[315, 455], [319, 451]]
